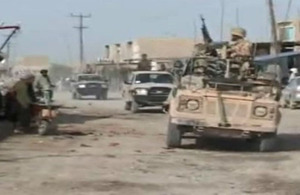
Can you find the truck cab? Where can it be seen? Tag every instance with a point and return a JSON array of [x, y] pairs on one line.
[[89, 85], [147, 89]]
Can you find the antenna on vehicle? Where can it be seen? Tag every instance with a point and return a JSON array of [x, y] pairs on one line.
[[237, 17]]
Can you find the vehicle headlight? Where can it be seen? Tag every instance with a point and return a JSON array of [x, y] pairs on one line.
[[192, 105], [141, 92], [260, 111], [104, 86], [81, 86]]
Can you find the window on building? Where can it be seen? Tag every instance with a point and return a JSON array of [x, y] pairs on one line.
[[287, 33]]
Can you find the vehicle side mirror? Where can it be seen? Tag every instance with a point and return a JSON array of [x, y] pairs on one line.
[[127, 82]]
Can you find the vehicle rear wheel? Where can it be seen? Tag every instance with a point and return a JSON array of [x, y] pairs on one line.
[[174, 136], [134, 107]]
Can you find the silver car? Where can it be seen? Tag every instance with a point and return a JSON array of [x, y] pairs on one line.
[[291, 94]]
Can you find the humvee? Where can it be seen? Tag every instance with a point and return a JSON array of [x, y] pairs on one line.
[[226, 108]]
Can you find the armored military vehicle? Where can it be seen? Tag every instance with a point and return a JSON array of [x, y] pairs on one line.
[[227, 107]]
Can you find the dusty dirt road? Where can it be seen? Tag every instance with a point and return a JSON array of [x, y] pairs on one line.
[[125, 154]]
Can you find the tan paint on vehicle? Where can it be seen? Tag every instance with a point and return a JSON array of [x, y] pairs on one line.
[[239, 109]]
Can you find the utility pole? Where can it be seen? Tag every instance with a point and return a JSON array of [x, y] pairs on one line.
[[275, 48], [80, 28], [222, 19]]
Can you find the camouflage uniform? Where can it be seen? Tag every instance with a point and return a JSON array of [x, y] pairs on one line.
[[241, 50], [44, 86]]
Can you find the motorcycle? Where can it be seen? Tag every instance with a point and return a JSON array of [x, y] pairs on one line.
[[45, 112]]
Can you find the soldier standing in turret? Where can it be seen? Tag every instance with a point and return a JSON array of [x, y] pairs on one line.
[[240, 49], [144, 64]]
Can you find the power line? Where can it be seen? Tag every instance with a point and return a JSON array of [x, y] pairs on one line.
[[80, 28], [275, 49], [288, 10]]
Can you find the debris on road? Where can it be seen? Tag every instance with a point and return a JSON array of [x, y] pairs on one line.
[[114, 144], [85, 146]]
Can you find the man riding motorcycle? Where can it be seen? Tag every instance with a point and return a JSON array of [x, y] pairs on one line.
[[44, 86]]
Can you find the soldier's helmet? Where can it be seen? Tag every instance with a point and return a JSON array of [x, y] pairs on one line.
[[240, 32]]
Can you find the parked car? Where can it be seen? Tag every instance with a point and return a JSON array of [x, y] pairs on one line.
[[89, 85], [291, 94]]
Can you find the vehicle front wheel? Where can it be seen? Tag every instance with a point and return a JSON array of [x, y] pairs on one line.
[[98, 97], [292, 104], [283, 103], [174, 136], [127, 106], [267, 144], [134, 107], [74, 97], [104, 96]]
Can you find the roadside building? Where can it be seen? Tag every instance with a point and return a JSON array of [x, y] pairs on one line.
[[157, 49], [36, 63]]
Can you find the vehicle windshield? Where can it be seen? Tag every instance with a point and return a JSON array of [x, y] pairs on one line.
[[89, 78], [153, 78]]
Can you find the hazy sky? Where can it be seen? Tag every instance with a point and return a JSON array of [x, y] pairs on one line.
[[48, 29]]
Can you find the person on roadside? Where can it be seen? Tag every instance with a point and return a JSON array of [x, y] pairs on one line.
[[23, 102], [44, 85]]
